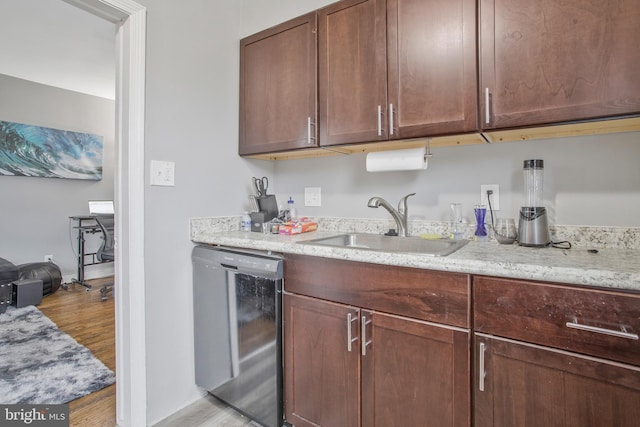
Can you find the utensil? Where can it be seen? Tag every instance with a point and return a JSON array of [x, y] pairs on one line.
[[254, 203], [261, 185]]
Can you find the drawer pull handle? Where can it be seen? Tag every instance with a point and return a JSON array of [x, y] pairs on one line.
[[350, 319], [622, 333], [481, 371]]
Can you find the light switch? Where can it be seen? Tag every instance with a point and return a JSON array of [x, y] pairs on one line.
[[162, 173], [312, 196]]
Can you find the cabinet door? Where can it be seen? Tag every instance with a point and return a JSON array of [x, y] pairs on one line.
[[413, 373], [278, 88], [431, 67], [551, 61], [321, 375], [353, 73], [526, 385]]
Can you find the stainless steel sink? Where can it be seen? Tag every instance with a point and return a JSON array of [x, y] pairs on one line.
[[378, 242]]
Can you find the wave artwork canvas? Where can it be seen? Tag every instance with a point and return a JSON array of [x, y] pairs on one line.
[[28, 150]]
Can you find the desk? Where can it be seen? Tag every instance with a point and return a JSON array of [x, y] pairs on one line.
[[85, 224]]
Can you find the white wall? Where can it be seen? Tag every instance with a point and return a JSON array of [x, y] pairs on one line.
[[192, 119], [592, 180], [34, 218]]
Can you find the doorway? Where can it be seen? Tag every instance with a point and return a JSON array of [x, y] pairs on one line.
[[130, 20]]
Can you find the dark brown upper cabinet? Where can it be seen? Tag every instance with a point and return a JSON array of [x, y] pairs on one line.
[[431, 67], [278, 81], [556, 61], [352, 71], [396, 69]]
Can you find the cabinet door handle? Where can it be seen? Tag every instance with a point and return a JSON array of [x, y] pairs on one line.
[[622, 333], [350, 319], [381, 129], [364, 342], [309, 137], [481, 371], [390, 119], [487, 106]]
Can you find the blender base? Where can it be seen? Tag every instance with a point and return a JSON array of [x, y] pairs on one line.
[[533, 229]]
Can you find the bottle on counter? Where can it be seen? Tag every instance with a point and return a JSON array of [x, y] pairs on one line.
[[293, 212], [245, 222]]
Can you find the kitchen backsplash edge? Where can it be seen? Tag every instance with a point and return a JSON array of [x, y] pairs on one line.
[[579, 236]]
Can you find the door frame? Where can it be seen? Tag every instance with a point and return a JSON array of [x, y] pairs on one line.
[[130, 327]]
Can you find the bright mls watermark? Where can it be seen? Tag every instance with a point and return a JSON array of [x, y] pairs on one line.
[[34, 415]]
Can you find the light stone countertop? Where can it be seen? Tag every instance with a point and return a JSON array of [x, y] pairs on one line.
[[608, 268]]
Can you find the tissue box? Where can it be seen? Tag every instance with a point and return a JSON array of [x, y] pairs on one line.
[[303, 225]]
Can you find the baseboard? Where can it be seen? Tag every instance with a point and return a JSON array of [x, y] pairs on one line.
[[97, 271]]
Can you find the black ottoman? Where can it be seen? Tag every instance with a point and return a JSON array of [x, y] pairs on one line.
[[8, 273], [48, 272]]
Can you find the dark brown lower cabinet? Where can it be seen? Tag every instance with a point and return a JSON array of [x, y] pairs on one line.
[[518, 384], [321, 378], [347, 366], [414, 373]]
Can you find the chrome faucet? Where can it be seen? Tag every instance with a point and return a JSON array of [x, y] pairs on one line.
[[400, 215]]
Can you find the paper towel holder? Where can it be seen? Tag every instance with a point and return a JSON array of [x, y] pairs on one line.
[[428, 154], [406, 159]]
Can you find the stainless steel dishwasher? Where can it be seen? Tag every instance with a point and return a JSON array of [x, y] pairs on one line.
[[237, 297]]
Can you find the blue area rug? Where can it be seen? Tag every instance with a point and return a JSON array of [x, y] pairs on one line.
[[40, 364]]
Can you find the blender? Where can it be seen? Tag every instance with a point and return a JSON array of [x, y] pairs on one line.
[[533, 229]]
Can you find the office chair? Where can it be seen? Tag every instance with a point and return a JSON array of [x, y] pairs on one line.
[[105, 252]]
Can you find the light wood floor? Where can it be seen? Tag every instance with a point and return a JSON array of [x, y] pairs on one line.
[[206, 412], [89, 321]]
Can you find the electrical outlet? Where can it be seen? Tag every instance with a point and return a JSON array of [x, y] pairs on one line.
[[495, 196], [48, 258], [313, 196]]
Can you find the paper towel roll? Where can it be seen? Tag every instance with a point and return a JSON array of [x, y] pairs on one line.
[[397, 160]]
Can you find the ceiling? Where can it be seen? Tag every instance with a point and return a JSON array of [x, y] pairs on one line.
[[57, 44]]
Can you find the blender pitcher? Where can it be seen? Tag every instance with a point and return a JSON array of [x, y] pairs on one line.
[[533, 229]]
